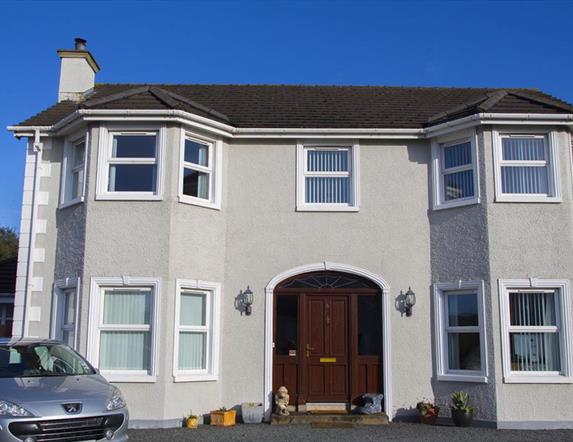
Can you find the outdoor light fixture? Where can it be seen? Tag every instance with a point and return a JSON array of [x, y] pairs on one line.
[[247, 300], [409, 301]]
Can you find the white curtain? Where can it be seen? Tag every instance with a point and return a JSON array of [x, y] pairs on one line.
[[127, 307], [124, 350]]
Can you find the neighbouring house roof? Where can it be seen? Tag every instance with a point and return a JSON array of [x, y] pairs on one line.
[[284, 106], [8, 275]]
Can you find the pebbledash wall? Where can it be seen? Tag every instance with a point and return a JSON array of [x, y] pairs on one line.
[[257, 234]]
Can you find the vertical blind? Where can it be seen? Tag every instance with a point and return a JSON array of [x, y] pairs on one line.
[[335, 189], [532, 349], [520, 177], [193, 331], [458, 171], [126, 349]]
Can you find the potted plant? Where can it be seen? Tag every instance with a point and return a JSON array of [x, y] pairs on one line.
[[191, 421], [223, 417], [462, 413], [252, 412], [428, 412]]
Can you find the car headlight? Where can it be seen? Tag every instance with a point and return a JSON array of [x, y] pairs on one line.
[[13, 410], [116, 402]]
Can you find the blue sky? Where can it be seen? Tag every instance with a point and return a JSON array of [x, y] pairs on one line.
[[425, 43]]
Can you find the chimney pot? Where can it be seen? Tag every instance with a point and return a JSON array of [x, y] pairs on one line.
[[80, 44]]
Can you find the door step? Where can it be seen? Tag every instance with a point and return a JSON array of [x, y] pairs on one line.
[[332, 418], [318, 407]]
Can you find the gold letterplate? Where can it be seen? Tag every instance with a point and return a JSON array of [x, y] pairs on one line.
[[327, 359]]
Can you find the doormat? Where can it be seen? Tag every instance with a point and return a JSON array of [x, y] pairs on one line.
[[333, 425]]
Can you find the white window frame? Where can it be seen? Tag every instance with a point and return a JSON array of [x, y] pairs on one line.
[[439, 201], [212, 290], [302, 173], [105, 159], [68, 169], [552, 163], [6, 301], [441, 291], [61, 286], [563, 318], [98, 287], [215, 153]]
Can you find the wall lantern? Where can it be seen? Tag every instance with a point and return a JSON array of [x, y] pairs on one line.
[[247, 300], [409, 301]]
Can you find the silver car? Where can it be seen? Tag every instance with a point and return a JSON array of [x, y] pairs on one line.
[[48, 392]]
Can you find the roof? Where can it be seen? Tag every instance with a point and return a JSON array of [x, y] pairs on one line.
[[8, 275], [289, 106]]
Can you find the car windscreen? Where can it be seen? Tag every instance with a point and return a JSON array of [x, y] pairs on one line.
[[41, 359]]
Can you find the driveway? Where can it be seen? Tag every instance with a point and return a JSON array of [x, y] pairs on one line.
[[392, 432]]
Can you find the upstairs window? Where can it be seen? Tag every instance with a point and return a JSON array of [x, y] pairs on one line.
[[327, 178], [200, 171], [526, 168], [455, 175], [131, 166], [73, 172]]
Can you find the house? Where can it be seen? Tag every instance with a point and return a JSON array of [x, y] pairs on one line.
[[7, 290], [203, 245]]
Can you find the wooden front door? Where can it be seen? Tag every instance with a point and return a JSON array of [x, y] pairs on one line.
[[326, 360]]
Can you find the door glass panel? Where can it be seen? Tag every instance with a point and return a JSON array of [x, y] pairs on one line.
[[286, 342], [369, 326]]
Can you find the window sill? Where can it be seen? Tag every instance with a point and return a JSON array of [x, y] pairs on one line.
[[71, 203], [195, 378], [480, 379], [183, 199], [128, 378], [456, 203], [326, 208], [527, 199], [128, 196], [532, 379]]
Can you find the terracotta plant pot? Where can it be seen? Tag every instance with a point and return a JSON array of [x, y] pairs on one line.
[[428, 418], [192, 422], [223, 418], [461, 418]]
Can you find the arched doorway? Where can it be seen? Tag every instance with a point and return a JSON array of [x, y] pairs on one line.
[[327, 337]]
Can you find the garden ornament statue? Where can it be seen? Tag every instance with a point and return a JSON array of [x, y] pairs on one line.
[[281, 401], [372, 404]]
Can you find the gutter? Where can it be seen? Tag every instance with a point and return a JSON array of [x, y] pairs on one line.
[[225, 130]]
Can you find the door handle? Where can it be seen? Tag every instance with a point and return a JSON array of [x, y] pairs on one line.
[[308, 349]]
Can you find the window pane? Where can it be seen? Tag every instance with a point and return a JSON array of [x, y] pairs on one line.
[[192, 351], [459, 185], [68, 337], [327, 160], [193, 309], [464, 351], [196, 183], [77, 183], [133, 146], [124, 350], [369, 326], [463, 310], [535, 352], [532, 309], [132, 178], [127, 307], [457, 155], [524, 180], [79, 153], [523, 149], [196, 153], [287, 325], [69, 313], [327, 190]]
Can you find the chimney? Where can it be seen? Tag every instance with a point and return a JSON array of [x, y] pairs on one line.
[[77, 72]]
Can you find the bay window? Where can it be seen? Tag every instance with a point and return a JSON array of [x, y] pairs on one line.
[[535, 320], [460, 331], [73, 171], [196, 331], [124, 339], [327, 178]]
